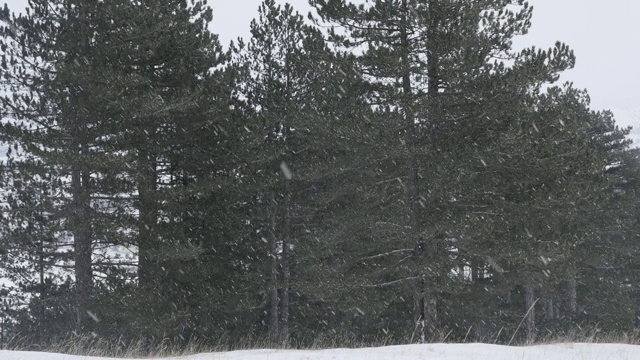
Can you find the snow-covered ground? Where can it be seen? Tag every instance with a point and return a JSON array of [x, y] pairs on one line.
[[409, 352]]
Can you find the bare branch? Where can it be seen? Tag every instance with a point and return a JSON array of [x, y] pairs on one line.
[[391, 283], [392, 252]]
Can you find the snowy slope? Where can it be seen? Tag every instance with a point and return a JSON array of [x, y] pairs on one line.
[[409, 352]]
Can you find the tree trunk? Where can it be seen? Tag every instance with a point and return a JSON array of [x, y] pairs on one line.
[[431, 310], [425, 310], [548, 308], [81, 197], [572, 297], [430, 314], [476, 272], [419, 317], [274, 328], [286, 275], [147, 218], [530, 322], [42, 288], [82, 245]]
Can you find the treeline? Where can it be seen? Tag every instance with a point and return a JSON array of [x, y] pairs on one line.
[[393, 170]]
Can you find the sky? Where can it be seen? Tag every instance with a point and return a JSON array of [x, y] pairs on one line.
[[605, 36]]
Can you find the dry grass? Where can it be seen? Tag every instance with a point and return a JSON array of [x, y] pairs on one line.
[[87, 345], [94, 346], [590, 336]]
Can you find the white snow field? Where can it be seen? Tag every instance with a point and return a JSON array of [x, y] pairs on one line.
[[410, 352]]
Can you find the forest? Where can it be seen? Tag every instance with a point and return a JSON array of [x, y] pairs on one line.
[[384, 172]]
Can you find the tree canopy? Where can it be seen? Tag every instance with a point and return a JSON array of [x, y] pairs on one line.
[[389, 169]]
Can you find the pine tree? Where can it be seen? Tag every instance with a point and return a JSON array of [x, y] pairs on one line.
[[110, 101], [53, 129], [171, 98], [436, 75], [303, 119], [282, 67]]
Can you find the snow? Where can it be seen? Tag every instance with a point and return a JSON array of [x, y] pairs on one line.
[[568, 351]]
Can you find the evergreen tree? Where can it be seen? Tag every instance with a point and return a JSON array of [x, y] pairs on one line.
[[281, 67], [303, 118], [165, 105], [53, 129], [107, 98], [443, 94], [302, 190], [548, 182]]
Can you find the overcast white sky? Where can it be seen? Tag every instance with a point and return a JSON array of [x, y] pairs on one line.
[[604, 34]]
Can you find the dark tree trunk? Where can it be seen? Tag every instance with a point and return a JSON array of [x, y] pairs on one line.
[[42, 288], [431, 311], [81, 197], [419, 317], [147, 218], [425, 315], [274, 326], [430, 314], [286, 275], [426, 312], [82, 246], [530, 322], [548, 308], [476, 272], [572, 297]]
